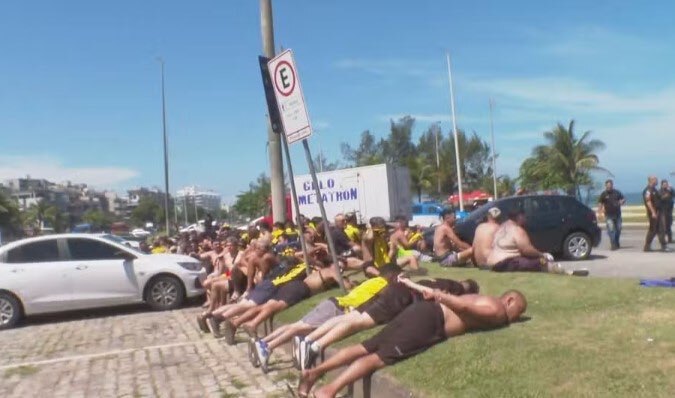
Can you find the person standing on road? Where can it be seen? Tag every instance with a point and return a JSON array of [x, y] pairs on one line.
[[651, 197], [666, 193], [609, 204]]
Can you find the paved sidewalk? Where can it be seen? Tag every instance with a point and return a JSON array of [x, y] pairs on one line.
[[131, 353]]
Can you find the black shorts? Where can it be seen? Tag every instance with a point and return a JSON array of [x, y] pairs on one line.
[[520, 264], [390, 302], [262, 292], [292, 292], [417, 328]]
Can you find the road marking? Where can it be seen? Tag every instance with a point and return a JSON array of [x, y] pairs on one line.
[[102, 354]]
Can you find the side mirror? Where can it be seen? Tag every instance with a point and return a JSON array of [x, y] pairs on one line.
[[126, 256]]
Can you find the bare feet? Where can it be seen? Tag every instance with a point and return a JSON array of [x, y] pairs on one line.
[[230, 330], [323, 392], [307, 380]]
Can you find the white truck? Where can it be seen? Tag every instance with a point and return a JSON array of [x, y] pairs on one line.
[[371, 191]]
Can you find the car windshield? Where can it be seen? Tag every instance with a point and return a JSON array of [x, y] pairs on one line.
[[121, 241]]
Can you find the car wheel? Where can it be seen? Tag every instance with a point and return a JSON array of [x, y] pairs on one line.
[[164, 293], [577, 246], [10, 311]]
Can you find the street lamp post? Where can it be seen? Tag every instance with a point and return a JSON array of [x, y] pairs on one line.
[[166, 154]]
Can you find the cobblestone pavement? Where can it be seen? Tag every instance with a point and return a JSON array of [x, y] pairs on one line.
[[131, 353]]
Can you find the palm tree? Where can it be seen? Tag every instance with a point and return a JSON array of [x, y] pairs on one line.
[[569, 158], [10, 220], [36, 213], [421, 173]]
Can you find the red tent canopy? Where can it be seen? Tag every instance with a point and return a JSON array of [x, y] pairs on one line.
[[469, 197]]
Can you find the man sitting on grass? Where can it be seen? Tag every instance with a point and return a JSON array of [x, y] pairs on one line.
[[422, 325], [324, 311], [512, 251], [391, 301], [449, 249], [485, 236]]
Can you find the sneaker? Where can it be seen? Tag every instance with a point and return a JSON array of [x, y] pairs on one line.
[[303, 351], [310, 357], [252, 355], [297, 340], [666, 249], [201, 322], [426, 258], [229, 332], [556, 268], [263, 354], [214, 327]]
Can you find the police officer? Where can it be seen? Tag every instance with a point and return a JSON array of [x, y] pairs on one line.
[[651, 198], [666, 196]]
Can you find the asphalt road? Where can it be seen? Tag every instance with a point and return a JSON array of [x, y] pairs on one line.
[[629, 261]]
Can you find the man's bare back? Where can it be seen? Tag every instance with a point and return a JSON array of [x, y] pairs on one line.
[[446, 240], [457, 323], [482, 242]]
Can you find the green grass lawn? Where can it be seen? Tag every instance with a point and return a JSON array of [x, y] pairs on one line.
[[586, 337]]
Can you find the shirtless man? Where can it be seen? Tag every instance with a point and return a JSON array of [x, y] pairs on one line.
[[230, 279], [323, 312], [400, 247], [449, 249], [513, 251], [388, 304], [484, 237], [287, 295], [416, 329]]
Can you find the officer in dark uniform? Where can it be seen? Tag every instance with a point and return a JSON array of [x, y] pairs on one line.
[[666, 196], [650, 195]]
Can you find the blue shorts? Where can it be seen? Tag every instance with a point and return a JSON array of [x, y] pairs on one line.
[[262, 292]]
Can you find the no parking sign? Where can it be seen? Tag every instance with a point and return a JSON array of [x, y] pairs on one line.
[[288, 92]]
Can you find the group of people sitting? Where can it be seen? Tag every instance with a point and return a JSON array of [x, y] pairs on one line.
[[265, 271]]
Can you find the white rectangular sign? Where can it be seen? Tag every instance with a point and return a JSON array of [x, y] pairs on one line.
[[288, 93]]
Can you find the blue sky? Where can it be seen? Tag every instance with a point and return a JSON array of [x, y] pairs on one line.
[[80, 88]]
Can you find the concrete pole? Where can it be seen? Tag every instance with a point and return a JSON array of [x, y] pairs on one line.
[[166, 156], [494, 160], [273, 139]]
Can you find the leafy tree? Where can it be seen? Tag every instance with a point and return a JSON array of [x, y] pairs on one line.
[[369, 151], [148, 210], [398, 148], [98, 218], [10, 217], [565, 161], [254, 202], [56, 219], [322, 164]]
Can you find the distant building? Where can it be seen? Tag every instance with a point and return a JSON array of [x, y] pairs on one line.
[[194, 196]]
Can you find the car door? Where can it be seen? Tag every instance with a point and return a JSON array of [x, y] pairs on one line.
[[37, 272], [101, 277], [544, 221]]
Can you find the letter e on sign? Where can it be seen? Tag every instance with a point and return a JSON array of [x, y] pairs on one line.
[[288, 93]]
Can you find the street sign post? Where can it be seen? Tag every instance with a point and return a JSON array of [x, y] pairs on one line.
[[297, 127]]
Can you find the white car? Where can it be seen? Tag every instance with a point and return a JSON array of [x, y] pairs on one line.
[[140, 233], [77, 271]]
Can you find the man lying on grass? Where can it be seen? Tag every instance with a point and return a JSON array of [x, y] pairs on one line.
[[420, 326], [324, 311], [286, 296], [384, 307]]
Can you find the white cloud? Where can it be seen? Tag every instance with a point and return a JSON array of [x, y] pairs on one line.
[[321, 125], [388, 66], [587, 41], [54, 170], [420, 117]]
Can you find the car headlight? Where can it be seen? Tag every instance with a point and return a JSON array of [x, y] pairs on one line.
[[191, 266]]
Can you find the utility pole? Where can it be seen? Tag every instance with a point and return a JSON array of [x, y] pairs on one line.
[[166, 155], [273, 139], [494, 161], [454, 129]]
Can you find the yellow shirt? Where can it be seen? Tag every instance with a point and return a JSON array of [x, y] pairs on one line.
[[290, 275], [291, 232], [276, 234], [362, 293], [158, 250], [353, 233], [414, 237], [381, 251]]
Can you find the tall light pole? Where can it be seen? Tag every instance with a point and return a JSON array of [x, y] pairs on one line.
[[166, 154], [438, 158], [494, 160], [454, 129], [274, 148]]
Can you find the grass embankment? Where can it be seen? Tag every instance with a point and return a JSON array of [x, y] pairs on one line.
[[586, 337]]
